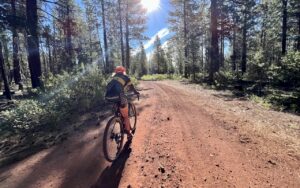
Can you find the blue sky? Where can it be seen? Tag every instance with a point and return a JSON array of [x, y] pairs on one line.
[[157, 20], [157, 24]]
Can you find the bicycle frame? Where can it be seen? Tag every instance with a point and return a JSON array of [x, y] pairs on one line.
[[116, 110], [116, 106]]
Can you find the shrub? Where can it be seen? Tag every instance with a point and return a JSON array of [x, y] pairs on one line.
[[257, 68], [287, 73], [157, 77], [260, 100], [134, 80], [224, 78], [60, 97]]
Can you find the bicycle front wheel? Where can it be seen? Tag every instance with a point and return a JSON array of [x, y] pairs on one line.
[[132, 117], [113, 139]]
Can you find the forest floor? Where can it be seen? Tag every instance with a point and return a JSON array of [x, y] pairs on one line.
[[186, 136]]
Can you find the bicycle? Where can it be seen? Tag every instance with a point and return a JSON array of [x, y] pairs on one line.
[[113, 138]]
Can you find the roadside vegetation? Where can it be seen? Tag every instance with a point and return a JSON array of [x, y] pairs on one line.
[[277, 85], [44, 116], [57, 99], [157, 77]]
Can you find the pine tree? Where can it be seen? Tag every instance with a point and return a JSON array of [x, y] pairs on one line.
[[135, 25], [139, 62], [170, 59], [185, 22], [120, 11], [294, 23], [33, 43], [159, 61], [143, 60], [94, 48], [284, 26], [15, 38], [214, 52], [103, 14]]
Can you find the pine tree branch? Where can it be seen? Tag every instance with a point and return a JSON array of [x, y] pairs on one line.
[[54, 2], [50, 14]]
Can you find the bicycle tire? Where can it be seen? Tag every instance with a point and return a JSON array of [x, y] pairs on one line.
[[132, 116], [113, 122]]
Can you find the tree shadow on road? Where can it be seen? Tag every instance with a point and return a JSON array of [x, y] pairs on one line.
[[230, 97], [111, 176], [145, 89]]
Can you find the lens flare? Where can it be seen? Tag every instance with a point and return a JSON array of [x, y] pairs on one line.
[[150, 5]]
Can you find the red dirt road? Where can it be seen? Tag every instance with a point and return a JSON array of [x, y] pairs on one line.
[[186, 137]]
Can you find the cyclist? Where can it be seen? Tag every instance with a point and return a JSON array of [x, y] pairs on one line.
[[115, 92]]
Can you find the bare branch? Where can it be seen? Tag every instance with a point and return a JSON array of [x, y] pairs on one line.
[[50, 14], [54, 2]]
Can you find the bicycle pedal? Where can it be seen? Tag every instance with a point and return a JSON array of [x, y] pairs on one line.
[[133, 131]]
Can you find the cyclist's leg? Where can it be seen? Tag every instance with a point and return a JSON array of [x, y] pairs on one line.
[[124, 112]]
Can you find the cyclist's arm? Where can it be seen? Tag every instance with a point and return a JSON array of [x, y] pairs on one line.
[[132, 88]]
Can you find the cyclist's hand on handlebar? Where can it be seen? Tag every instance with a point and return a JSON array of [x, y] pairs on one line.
[[138, 94]]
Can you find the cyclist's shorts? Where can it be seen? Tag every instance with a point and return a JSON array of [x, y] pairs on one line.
[[121, 99]]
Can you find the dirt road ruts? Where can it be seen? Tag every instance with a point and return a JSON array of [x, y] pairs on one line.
[[185, 137]]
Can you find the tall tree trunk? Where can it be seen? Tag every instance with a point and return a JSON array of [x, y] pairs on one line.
[[202, 55], [33, 43], [4, 77], [16, 61], [121, 34], [244, 45], [186, 67], [263, 28], [105, 38], [100, 52], [49, 53], [214, 51], [222, 40], [52, 65], [284, 26], [222, 51], [298, 40], [234, 50], [69, 46], [193, 64], [44, 62], [91, 44], [6, 55], [127, 38]]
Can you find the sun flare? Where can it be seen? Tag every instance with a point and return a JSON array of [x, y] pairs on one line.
[[150, 5]]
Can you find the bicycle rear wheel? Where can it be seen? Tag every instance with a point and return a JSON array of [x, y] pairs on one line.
[[113, 139], [132, 116]]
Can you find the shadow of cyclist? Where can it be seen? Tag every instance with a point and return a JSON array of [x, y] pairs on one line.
[[111, 176]]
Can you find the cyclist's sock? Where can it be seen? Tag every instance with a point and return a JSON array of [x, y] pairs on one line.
[[129, 135]]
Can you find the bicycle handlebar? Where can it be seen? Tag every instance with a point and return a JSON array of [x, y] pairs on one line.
[[133, 94]]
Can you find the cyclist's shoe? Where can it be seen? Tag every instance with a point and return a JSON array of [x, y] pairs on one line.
[[129, 135]]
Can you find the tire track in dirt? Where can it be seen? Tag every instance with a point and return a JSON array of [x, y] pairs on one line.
[[77, 162], [214, 159], [201, 151]]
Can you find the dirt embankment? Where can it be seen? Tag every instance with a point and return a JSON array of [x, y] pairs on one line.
[[186, 137]]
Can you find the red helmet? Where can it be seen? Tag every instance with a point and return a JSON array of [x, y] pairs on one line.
[[120, 69]]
